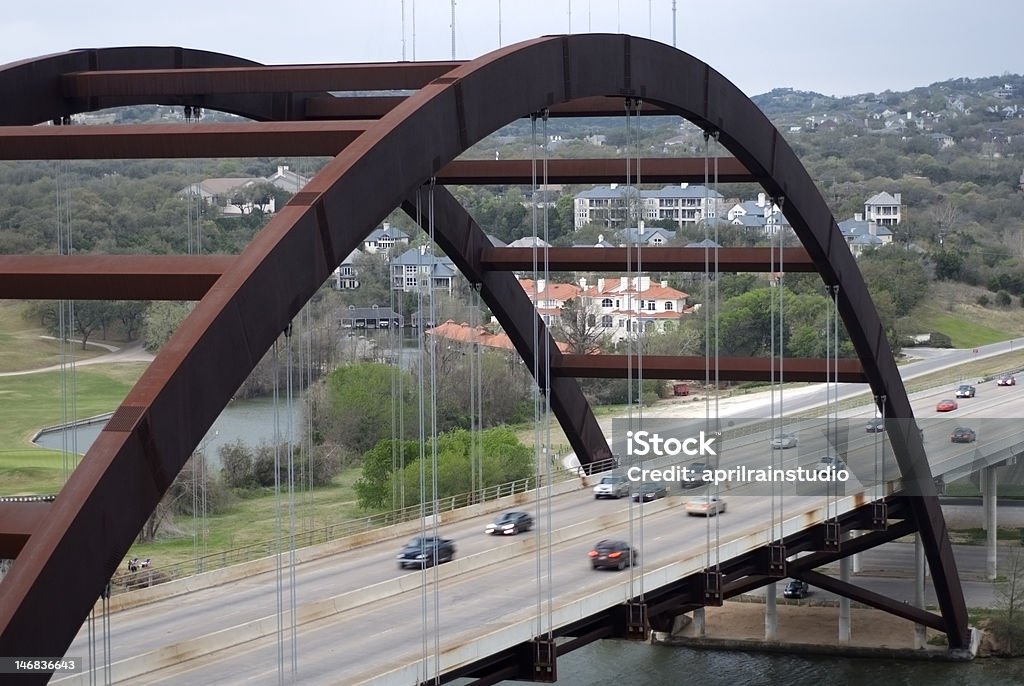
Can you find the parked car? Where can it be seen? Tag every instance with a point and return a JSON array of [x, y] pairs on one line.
[[831, 464], [612, 487], [783, 441], [694, 476], [962, 434], [426, 551], [875, 426], [1007, 380], [510, 524], [946, 405], [796, 589], [613, 555], [965, 391], [650, 492], [707, 505]]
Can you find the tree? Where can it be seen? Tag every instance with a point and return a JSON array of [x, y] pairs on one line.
[[131, 314], [162, 319], [580, 326], [358, 416], [1009, 624]]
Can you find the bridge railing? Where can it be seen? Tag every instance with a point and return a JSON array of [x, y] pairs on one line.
[[129, 581]]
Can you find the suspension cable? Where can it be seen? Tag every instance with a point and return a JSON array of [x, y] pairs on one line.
[[633, 211], [421, 391], [641, 341], [290, 447], [537, 402], [548, 453], [433, 442]]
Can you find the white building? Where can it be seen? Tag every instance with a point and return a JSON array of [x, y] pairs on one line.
[[419, 269], [884, 209], [618, 206]]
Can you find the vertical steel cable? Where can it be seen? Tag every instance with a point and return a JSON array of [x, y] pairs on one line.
[[290, 446], [776, 429], [549, 453], [537, 318], [782, 343], [707, 340], [718, 416], [632, 319], [278, 524], [421, 391], [433, 442], [640, 342]]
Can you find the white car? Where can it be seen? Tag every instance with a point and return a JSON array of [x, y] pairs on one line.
[[707, 506], [783, 441], [612, 487]]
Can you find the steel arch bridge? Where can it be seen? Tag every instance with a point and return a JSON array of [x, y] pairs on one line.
[[384, 149]]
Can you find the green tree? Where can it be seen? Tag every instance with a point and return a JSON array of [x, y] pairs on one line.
[[357, 402], [162, 319]]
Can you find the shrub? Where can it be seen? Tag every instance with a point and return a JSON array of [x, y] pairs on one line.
[[983, 300]]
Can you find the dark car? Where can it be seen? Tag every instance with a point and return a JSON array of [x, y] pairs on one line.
[[1007, 380], [831, 464], [796, 589], [650, 492], [510, 524], [962, 434], [965, 391], [613, 555], [694, 475], [426, 551]]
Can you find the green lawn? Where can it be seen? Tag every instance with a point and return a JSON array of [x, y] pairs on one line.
[[30, 402], [252, 518], [965, 333], [23, 347]]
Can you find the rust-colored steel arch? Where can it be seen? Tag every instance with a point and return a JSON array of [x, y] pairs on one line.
[[164, 416]]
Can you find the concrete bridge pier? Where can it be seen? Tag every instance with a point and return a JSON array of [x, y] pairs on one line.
[[771, 612], [699, 626], [991, 525], [920, 630]]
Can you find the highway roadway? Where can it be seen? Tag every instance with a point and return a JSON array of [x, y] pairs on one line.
[[356, 644]]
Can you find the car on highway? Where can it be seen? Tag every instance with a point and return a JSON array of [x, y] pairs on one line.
[[946, 405], [875, 426], [965, 391], [426, 551], [510, 524], [963, 434], [649, 492], [693, 477], [1007, 380], [830, 464], [705, 505], [783, 441], [610, 554], [796, 589], [612, 487]]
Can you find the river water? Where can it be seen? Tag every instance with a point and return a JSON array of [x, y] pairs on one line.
[[249, 421], [618, 663]]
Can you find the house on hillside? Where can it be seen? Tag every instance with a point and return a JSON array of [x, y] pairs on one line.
[[420, 270], [345, 275], [884, 209], [618, 206], [384, 238], [861, 234], [622, 306]]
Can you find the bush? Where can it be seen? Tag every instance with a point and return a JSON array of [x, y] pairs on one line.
[[983, 300], [1003, 299], [236, 461]]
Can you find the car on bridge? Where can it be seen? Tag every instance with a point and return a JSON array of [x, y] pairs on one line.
[[649, 492], [946, 405], [706, 505], [783, 441], [965, 391], [963, 434], [693, 476], [830, 464], [612, 487], [610, 554], [510, 524], [1007, 380], [875, 426], [796, 589], [426, 551]]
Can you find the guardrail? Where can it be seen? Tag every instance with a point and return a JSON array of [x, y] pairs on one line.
[[149, 576]]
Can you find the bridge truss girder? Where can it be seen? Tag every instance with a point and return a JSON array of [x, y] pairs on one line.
[[379, 166]]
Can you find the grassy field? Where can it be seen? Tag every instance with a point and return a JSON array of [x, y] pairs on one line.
[[252, 518], [952, 309], [33, 401], [22, 345]]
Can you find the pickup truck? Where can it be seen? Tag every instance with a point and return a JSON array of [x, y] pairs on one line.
[[426, 552]]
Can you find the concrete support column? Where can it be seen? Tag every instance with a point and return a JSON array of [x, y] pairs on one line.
[[989, 501], [844, 603], [920, 630], [699, 625], [856, 561], [771, 612]]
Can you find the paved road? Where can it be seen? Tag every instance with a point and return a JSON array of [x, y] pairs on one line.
[[368, 640]]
